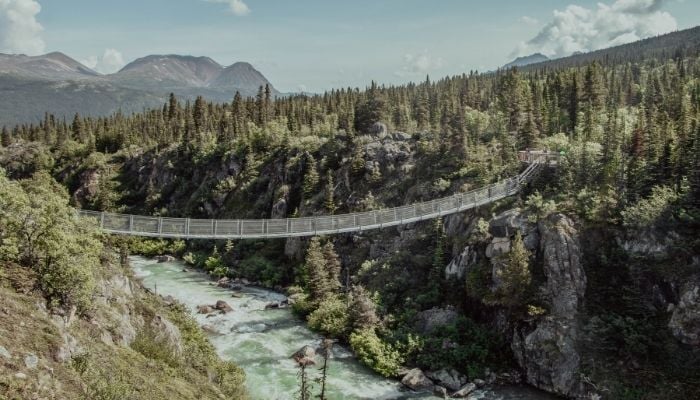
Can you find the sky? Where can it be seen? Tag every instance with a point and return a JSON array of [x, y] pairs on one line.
[[317, 45]]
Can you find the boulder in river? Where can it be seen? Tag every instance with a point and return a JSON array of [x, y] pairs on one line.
[[223, 283], [305, 355], [223, 306], [416, 380], [449, 379], [210, 329], [464, 391], [165, 258], [205, 309]]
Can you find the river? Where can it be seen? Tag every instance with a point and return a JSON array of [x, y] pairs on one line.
[[262, 341]]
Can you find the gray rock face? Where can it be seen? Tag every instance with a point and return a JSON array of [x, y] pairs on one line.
[[566, 280], [506, 224], [429, 320], [498, 246], [416, 380], [294, 248], [685, 320], [648, 243], [167, 333], [548, 353], [378, 128], [457, 268], [31, 361], [4, 353]]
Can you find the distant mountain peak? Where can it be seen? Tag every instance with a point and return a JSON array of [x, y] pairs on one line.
[[526, 60], [51, 66]]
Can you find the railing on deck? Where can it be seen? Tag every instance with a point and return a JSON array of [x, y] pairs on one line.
[[166, 227]]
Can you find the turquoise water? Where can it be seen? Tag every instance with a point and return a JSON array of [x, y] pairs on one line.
[[262, 341]]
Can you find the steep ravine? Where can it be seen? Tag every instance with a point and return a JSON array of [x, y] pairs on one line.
[[262, 341]]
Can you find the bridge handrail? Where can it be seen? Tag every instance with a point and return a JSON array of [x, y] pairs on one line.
[[189, 228]]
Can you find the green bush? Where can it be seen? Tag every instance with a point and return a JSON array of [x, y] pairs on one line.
[[156, 247], [261, 269], [147, 343], [463, 345], [372, 351], [647, 211], [39, 230], [331, 317]]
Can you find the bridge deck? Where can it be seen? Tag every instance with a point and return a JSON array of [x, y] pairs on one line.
[[186, 228]]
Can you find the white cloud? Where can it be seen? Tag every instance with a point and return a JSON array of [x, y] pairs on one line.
[[20, 32], [237, 7], [110, 62], [578, 28], [419, 64], [529, 20]]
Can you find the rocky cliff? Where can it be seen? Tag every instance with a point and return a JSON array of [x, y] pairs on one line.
[[130, 345]]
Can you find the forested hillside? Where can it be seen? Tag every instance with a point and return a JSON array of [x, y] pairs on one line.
[[596, 263]]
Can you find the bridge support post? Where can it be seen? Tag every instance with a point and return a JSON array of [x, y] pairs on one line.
[[131, 223], [160, 225], [215, 225], [187, 227], [102, 220]]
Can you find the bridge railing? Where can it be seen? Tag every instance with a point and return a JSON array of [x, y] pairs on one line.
[[314, 225]]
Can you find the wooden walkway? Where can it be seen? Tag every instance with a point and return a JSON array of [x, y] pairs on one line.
[[186, 228]]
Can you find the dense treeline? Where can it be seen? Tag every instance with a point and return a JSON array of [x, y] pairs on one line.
[[637, 122]]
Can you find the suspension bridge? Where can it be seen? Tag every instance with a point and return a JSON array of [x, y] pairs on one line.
[[187, 228]]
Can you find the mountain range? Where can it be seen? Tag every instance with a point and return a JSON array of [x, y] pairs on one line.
[[526, 60], [55, 82]]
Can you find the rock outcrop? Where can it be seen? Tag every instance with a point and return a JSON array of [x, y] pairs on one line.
[[685, 320], [429, 320], [167, 333], [547, 354], [416, 380]]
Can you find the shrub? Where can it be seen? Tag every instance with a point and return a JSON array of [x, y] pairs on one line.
[[147, 343], [261, 269], [382, 357], [331, 317], [463, 345], [39, 230], [648, 211], [539, 207]]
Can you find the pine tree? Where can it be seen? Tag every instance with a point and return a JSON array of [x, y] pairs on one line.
[[199, 115], [6, 138], [77, 128], [172, 107], [333, 267], [329, 200], [311, 177], [362, 310], [319, 284], [515, 277]]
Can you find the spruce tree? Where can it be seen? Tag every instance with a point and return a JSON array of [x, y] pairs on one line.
[[319, 284], [329, 200], [311, 177], [6, 138], [333, 267]]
